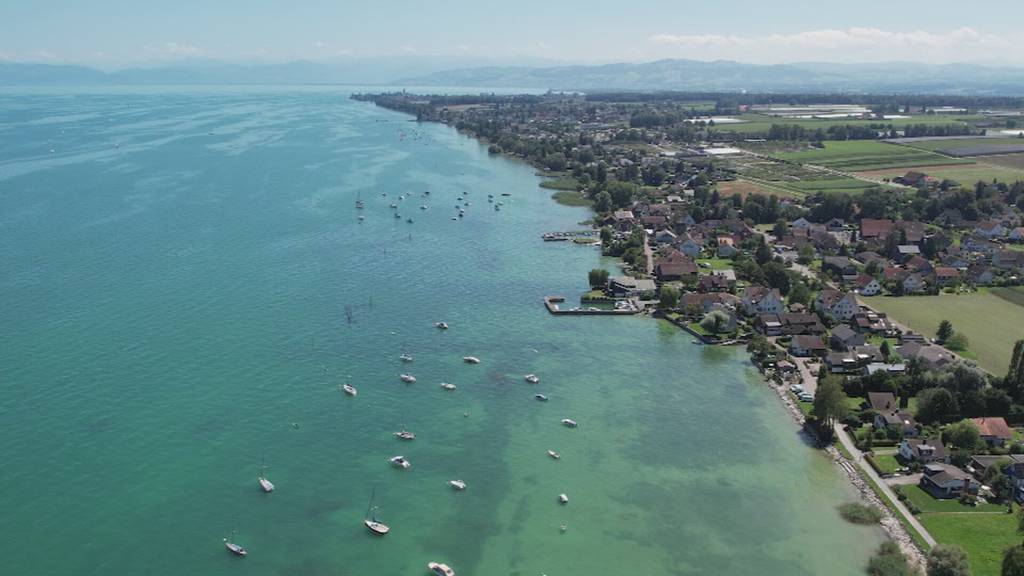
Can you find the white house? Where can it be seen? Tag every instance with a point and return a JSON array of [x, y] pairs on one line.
[[913, 283], [665, 237], [866, 285], [687, 245], [761, 300], [836, 304]]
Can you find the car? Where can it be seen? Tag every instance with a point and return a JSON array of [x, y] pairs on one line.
[[704, 265], [805, 397], [796, 389]]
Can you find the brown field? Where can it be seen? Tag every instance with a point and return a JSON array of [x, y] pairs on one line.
[[1010, 170], [1007, 161], [745, 187], [893, 172]]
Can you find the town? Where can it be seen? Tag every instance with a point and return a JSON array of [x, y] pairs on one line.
[[869, 253]]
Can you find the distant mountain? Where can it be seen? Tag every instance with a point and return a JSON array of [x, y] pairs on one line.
[[451, 71], [728, 76]]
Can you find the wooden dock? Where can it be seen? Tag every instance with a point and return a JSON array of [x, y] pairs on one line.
[[552, 304]]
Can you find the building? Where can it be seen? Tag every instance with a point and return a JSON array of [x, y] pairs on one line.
[[807, 345], [762, 300], [994, 431], [675, 266], [836, 305], [866, 285], [922, 450], [946, 481], [843, 338], [627, 287]]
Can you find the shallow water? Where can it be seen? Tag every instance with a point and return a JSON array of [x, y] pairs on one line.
[[185, 284]]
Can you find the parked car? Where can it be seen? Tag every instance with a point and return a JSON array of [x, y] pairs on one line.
[[805, 397]]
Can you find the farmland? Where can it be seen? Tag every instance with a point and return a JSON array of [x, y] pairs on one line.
[[793, 179], [856, 155], [983, 535], [758, 123], [966, 174], [991, 319], [970, 146]]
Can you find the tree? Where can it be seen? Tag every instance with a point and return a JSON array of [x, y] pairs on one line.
[[715, 321], [889, 561], [964, 435], [1013, 562], [885, 349], [776, 276], [762, 254], [1014, 381], [946, 560], [957, 341], [606, 234], [945, 330], [603, 202], [780, 228], [805, 254], [669, 298], [598, 278], [799, 293], [829, 401], [936, 405]]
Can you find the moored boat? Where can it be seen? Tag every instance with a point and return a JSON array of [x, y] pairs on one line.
[[407, 378], [370, 519], [470, 359], [399, 462], [563, 499], [441, 325], [554, 454], [406, 358], [569, 422], [349, 389], [541, 397], [236, 549], [457, 484], [439, 569], [531, 378], [265, 485], [447, 386]]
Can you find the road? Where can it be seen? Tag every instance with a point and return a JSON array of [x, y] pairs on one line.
[[867, 470]]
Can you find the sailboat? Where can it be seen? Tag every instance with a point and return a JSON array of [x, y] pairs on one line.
[[359, 200], [265, 485], [404, 434], [370, 520], [235, 549]]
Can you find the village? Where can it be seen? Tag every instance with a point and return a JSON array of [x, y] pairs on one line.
[[870, 259]]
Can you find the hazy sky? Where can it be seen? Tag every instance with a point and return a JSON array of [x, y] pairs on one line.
[[120, 32]]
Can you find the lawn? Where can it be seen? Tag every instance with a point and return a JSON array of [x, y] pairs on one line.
[[926, 503], [983, 536], [571, 198], [715, 263], [991, 323], [965, 174], [865, 155], [886, 463]]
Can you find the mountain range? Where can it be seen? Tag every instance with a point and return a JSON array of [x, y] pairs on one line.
[[454, 71]]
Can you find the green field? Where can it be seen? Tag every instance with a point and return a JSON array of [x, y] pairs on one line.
[[943, 144], [856, 155], [886, 463], [992, 323], [984, 536], [926, 503], [965, 174], [755, 123]]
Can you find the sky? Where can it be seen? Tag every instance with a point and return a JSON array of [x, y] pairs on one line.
[[119, 33]]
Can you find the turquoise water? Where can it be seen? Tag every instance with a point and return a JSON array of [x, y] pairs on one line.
[[185, 284]]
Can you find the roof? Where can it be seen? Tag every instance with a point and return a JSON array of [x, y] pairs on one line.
[[808, 342], [994, 427], [882, 401], [843, 333], [874, 228], [938, 448], [946, 475]]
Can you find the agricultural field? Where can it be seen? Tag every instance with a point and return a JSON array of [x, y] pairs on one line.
[[983, 535], [991, 318], [859, 155], [961, 147], [1015, 161], [757, 123], [793, 179], [747, 187], [965, 174]]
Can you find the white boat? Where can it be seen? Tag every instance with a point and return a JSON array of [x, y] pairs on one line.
[[562, 498], [541, 397], [457, 484], [470, 359], [265, 485], [423, 206], [399, 462], [370, 519], [554, 454], [406, 358], [447, 386], [569, 422], [349, 389], [407, 378], [393, 205], [404, 434], [441, 325], [531, 378], [440, 569], [235, 549]]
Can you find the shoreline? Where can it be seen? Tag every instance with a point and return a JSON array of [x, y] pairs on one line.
[[890, 525]]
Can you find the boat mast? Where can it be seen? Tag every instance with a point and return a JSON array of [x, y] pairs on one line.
[[370, 505]]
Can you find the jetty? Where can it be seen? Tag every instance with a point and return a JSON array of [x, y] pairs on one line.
[[564, 236], [552, 304]]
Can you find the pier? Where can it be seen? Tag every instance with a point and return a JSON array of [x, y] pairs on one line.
[[564, 236], [552, 304]]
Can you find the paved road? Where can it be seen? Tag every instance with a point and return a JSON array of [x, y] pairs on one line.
[[867, 470]]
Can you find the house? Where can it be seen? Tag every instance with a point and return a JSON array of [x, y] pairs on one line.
[[990, 229], [913, 283], [704, 303], [687, 245], [800, 223], [980, 274], [836, 305], [976, 244], [665, 236], [980, 463], [794, 323], [946, 481], [1017, 234], [922, 450], [946, 275], [768, 324], [726, 247], [841, 363], [715, 283], [835, 225], [675, 266], [875, 229], [994, 431], [626, 286], [867, 257], [883, 401], [900, 420], [934, 357], [762, 300], [908, 250], [917, 263], [807, 345], [866, 285], [622, 220], [913, 179], [1008, 259], [840, 264], [843, 338]]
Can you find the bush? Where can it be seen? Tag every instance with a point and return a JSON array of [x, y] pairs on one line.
[[858, 513], [889, 561], [958, 341]]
